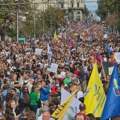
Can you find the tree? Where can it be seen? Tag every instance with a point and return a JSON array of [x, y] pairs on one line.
[[109, 9], [8, 10], [48, 20], [54, 18], [86, 12]]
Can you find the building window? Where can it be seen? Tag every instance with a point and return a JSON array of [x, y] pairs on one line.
[[62, 5], [78, 4], [72, 5]]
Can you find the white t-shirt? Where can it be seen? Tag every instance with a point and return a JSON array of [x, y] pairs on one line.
[[80, 94], [62, 74], [40, 118]]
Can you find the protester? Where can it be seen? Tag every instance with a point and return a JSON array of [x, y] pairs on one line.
[[34, 100], [82, 113], [31, 85], [44, 93], [10, 111]]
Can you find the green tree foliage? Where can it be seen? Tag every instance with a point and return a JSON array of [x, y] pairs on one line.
[[109, 8], [8, 10], [48, 20], [86, 12], [53, 17]]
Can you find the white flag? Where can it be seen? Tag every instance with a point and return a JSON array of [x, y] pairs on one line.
[[74, 106]]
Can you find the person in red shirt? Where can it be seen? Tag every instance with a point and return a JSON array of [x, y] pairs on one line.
[[77, 70], [82, 112]]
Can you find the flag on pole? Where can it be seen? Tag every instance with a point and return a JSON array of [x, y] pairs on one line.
[[112, 105], [61, 111], [55, 36], [95, 96], [49, 52], [73, 109]]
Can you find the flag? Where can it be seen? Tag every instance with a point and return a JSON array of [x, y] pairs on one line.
[[73, 109], [55, 36], [49, 52], [95, 96], [109, 50], [76, 34], [61, 110], [112, 105]]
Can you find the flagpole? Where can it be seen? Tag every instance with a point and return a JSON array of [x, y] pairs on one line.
[[104, 72]]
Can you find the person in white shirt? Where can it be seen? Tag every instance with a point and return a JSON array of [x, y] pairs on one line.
[[63, 73], [80, 93], [30, 84]]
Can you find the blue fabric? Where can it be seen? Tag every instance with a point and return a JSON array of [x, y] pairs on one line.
[[44, 93], [112, 105], [4, 94], [108, 49]]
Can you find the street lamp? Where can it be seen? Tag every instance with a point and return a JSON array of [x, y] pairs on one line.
[[34, 16], [17, 20]]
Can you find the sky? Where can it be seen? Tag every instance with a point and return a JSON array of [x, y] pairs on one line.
[[91, 5]]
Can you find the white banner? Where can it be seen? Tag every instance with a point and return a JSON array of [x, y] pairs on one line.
[[53, 68], [74, 106], [117, 57], [38, 51]]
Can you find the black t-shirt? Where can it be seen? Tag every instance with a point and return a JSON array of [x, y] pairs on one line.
[[81, 75]]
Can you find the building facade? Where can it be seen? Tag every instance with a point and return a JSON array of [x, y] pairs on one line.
[[74, 8]]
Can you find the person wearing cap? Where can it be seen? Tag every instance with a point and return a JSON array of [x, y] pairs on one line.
[[80, 93]]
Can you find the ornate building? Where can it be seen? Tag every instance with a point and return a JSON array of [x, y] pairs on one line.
[[74, 8]]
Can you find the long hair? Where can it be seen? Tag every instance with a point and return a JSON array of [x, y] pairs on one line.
[[8, 97], [9, 115]]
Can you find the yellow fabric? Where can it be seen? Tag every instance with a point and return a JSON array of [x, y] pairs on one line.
[[76, 34], [61, 111], [95, 97], [55, 37]]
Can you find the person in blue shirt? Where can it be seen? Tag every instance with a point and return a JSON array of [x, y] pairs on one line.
[[44, 93]]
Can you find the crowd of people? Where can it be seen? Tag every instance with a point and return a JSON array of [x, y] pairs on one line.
[[30, 92]]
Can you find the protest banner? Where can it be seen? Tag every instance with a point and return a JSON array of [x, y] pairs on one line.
[[117, 57], [61, 111], [105, 66], [38, 51], [53, 68]]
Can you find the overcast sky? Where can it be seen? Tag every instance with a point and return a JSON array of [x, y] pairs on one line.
[[91, 5]]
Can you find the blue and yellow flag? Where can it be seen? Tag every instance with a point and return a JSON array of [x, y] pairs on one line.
[[112, 105], [61, 111], [95, 97]]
